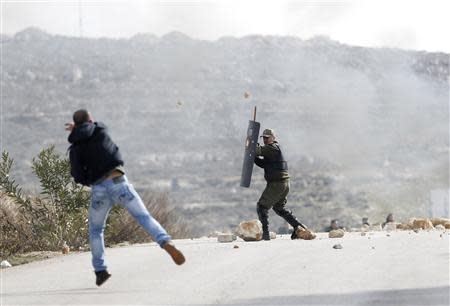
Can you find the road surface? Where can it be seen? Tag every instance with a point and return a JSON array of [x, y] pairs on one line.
[[404, 268]]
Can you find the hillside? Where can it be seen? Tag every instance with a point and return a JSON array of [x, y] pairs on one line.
[[365, 130]]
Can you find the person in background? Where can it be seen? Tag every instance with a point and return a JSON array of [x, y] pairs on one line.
[[365, 221], [389, 218], [334, 225]]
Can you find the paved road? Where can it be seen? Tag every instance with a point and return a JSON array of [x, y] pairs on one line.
[[400, 269]]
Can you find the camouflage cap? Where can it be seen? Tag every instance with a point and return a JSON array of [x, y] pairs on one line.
[[268, 132]]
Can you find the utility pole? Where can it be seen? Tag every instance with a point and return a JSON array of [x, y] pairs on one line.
[[80, 19]]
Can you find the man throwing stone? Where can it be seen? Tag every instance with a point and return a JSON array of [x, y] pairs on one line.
[[96, 161], [270, 157]]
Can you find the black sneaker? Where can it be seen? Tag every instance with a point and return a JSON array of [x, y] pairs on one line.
[[101, 277]]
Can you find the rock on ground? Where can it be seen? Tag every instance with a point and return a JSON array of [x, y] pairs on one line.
[[250, 230]]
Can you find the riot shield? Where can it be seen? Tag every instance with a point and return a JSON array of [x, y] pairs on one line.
[[249, 155]]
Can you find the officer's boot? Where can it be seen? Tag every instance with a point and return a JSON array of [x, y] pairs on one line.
[[290, 218], [263, 215]]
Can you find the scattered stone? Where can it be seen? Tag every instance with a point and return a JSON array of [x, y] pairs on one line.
[[363, 234], [235, 247], [225, 237], [337, 246], [339, 233], [273, 235], [440, 221], [416, 230], [439, 227], [404, 226], [5, 264], [250, 230], [65, 248], [305, 234], [373, 248], [423, 223], [388, 235]]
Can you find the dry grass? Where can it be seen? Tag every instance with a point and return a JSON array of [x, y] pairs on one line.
[[122, 227], [20, 235]]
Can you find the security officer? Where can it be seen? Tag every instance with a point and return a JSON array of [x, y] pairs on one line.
[[270, 157]]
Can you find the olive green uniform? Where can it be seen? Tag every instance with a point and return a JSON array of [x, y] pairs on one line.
[[277, 176], [275, 194]]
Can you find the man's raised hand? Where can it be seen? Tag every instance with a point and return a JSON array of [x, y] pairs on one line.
[[69, 126]]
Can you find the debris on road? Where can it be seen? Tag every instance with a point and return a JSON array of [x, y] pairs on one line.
[[338, 233], [5, 264]]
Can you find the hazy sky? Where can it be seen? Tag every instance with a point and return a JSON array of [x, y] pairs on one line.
[[408, 24]]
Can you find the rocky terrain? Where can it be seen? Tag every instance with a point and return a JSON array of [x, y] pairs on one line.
[[365, 130]]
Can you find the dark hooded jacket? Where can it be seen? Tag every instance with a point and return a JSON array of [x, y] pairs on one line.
[[92, 154], [273, 162]]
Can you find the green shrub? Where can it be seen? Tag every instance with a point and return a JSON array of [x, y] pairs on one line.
[[60, 213], [44, 222]]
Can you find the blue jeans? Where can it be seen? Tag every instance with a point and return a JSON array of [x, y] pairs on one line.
[[104, 196]]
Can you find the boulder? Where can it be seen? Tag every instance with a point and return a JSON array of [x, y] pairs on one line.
[[305, 234], [439, 227], [339, 233], [404, 226], [250, 230], [439, 221]]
